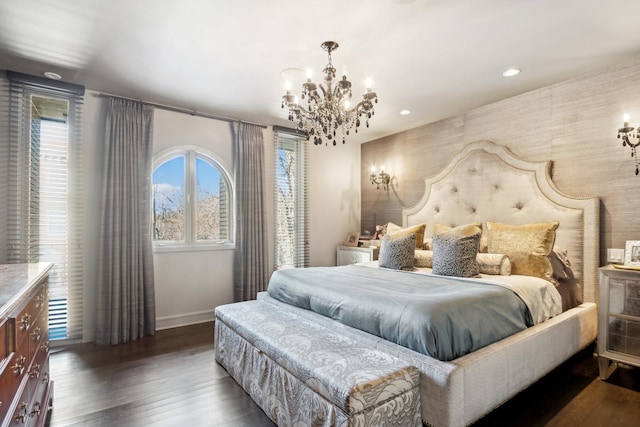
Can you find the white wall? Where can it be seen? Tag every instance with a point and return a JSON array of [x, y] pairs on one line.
[[334, 198], [188, 284]]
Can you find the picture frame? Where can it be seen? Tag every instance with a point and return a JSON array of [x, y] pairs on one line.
[[632, 253], [354, 236]]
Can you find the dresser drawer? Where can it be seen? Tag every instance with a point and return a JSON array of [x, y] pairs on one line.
[[40, 384], [28, 316], [4, 344], [10, 378], [37, 333], [20, 415]]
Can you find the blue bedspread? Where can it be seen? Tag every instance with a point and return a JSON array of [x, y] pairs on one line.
[[442, 317]]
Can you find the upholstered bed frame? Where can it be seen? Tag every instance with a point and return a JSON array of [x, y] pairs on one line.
[[486, 182]]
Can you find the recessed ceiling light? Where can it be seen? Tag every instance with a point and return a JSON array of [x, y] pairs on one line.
[[511, 72], [405, 112], [52, 75]]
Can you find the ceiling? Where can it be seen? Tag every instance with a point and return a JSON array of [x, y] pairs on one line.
[[436, 58]]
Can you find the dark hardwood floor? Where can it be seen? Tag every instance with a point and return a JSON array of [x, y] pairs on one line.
[[172, 379]]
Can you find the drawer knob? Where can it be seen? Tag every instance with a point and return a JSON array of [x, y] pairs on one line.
[[40, 299], [37, 407], [25, 320], [35, 371], [23, 412], [36, 334], [18, 368]]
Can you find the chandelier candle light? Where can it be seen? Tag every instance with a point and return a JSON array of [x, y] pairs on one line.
[[329, 108], [381, 180], [626, 132]]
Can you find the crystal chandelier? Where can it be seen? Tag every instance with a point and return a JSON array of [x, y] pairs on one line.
[[329, 108]]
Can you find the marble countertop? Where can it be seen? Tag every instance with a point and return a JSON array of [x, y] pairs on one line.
[[16, 279]]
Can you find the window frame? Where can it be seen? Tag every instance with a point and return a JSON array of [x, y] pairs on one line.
[[191, 153]]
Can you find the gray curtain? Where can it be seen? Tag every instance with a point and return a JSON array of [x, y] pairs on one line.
[[251, 271], [126, 296]]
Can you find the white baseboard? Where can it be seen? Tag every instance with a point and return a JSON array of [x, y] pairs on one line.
[[175, 321]]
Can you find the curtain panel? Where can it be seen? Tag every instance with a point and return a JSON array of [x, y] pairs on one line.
[[126, 296], [251, 270]]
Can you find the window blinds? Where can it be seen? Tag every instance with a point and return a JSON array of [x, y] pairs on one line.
[[44, 188], [291, 211]]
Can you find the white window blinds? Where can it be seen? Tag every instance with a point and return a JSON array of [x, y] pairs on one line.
[[291, 212], [44, 177]]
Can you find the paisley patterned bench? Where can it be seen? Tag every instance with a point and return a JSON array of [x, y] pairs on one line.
[[301, 373]]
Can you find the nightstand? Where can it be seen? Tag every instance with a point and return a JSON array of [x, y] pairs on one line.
[[618, 318], [351, 254]]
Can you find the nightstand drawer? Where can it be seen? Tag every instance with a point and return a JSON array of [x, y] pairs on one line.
[[624, 296], [351, 255], [624, 336]]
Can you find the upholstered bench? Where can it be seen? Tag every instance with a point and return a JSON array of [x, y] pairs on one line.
[[301, 373]]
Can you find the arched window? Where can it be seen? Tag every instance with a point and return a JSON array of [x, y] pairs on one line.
[[192, 199]]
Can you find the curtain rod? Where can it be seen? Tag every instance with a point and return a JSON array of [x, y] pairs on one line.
[[182, 110]]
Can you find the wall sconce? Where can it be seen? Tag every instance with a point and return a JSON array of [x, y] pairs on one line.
[[626, 132], [381, 180]]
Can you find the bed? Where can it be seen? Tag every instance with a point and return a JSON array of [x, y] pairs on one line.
[[487, 184]]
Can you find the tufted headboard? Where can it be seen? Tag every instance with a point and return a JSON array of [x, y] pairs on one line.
[[486, 182]]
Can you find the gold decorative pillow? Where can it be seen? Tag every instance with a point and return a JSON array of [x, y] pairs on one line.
[[462, 230], [418, 230], [527, 246]]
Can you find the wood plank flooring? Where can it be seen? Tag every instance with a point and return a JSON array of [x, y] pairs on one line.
[[172, 379]]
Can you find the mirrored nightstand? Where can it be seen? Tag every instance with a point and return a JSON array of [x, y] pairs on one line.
[[351, 254], [618, 318]]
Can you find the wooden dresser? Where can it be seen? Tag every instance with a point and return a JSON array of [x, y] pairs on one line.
[[26, 388]]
